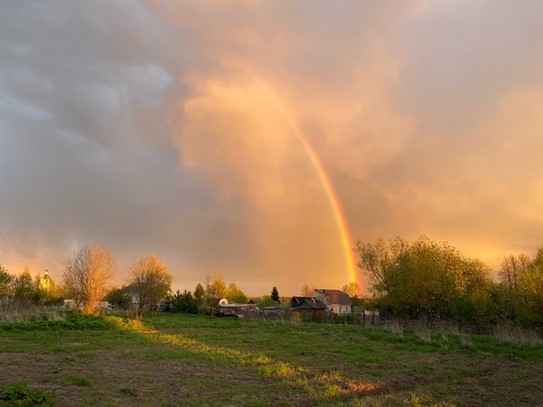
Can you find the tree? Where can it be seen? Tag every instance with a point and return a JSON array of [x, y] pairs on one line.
[[235, 295], [151, 282], [352, 289], [532, 284], [512, 267], [522, 281], [181, 302], [274, 294], [24, 289], [307, 291], [199, 296], [423, 278], [266, 301], [87, 274], [215, 287], [6, 281], [119, 298], [199, 292]]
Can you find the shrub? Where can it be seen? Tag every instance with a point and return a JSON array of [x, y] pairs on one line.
[[19, 394], [67, 320]]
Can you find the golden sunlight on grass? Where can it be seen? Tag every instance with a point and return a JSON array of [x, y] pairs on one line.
[[327, 384]]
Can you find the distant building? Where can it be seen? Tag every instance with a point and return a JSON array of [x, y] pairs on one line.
[[45, 282], [336, 301], [227, 309], [307, 305]]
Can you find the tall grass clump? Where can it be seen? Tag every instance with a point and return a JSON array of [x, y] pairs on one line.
[[21, 314], [54, 320], [517, 336]]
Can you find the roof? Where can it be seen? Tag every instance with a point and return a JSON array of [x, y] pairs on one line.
[[306, 303], [333, 297]]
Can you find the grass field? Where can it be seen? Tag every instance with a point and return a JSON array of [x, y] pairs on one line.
[[181, 360]]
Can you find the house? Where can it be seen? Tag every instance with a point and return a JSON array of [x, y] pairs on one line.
[[227, 309], [336, 301], [307, 305]]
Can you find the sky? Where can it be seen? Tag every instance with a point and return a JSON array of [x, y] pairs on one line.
[[261, 139]]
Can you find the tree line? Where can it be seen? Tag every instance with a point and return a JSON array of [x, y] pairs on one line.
[[428, 279], [420, 279], [27, 290], [86, 282]]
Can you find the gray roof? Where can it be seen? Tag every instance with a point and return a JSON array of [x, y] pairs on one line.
[[306, 303], [334, 297]]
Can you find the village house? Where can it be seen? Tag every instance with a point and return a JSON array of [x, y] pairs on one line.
[[336, 301]]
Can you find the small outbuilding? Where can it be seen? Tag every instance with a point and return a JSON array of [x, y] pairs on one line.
[[307, 305]]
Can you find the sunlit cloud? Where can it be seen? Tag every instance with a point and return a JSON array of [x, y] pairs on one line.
[[185, 129]]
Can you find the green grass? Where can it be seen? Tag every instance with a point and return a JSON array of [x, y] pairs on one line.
[[175, 360]]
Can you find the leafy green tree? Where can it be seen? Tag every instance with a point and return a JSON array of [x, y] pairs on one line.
[[215, 287], [199, 297], [24, 289], [235, 295], [181, 302], [119, 298], [477, 289], [423, 278], [199, 292], [151, 283], [266, 301], [275, 294], [531, 282], [6, 281]]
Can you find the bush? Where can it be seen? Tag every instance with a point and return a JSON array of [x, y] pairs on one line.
[[19, 394], [181, 302]]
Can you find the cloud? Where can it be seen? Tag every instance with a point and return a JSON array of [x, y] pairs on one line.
[[182, 128]]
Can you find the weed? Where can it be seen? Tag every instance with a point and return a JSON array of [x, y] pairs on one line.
[[19, 394], [517, 336], [128, 391], [69, 359], [466, 342], [75, 380]]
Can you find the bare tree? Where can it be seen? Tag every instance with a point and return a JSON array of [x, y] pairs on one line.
[[307, 291], [352, 289], [87, 274], [512, 268], [151, 282]]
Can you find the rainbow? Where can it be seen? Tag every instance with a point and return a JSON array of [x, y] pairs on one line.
[[333, 200]]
